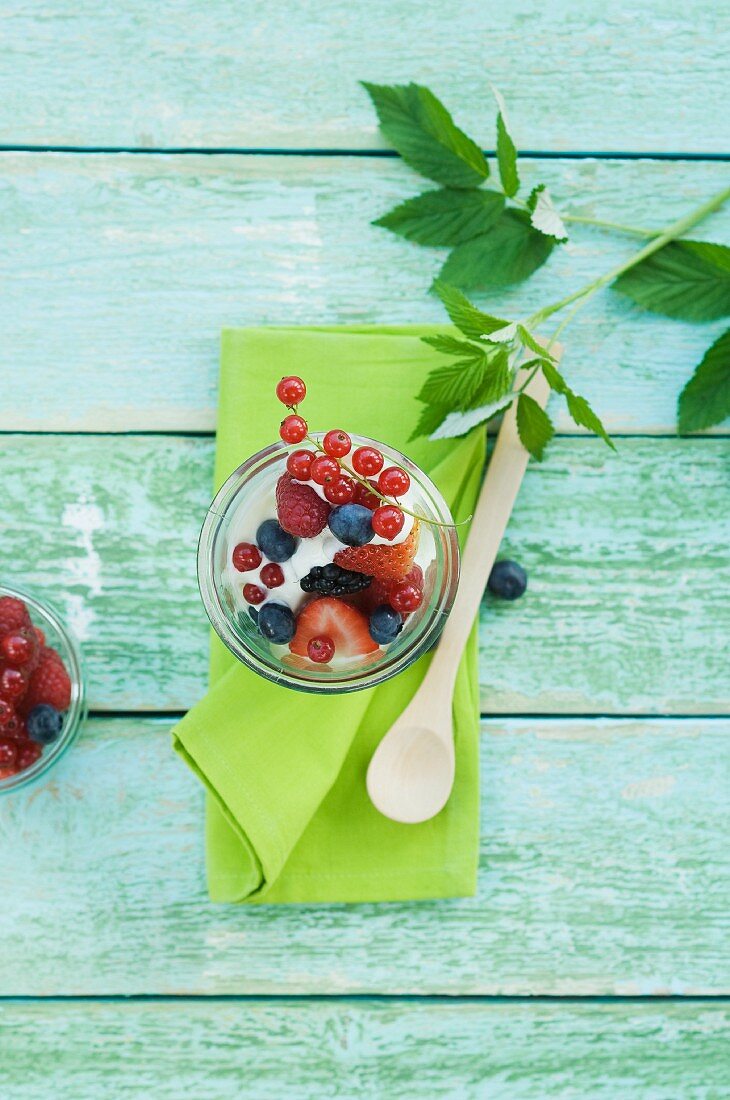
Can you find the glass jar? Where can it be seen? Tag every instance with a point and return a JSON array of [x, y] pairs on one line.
[[438, 553], [60, 638]]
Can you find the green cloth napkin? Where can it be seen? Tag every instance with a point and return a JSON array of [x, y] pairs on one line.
[[288, 816]]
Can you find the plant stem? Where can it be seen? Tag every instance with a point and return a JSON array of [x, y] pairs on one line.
[[635, 230], [676, 229]]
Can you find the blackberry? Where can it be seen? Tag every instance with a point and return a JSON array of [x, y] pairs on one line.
[[333, 580]]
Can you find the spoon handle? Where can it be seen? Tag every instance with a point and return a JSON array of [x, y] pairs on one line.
[[497, 497]]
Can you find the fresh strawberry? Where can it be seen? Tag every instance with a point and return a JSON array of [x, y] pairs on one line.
[[332, 618], [301, 512], [13, 614], [386, 563], [49, 683]]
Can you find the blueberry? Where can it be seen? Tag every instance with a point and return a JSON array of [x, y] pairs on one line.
[[508, 580], [276, 622], [44, 724], [385, 624], [273, 541], [352, 524]]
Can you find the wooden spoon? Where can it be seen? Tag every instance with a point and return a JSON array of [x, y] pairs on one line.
[[412, 771]]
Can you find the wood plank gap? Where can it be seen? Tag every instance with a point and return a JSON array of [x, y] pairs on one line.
[[365, 998]]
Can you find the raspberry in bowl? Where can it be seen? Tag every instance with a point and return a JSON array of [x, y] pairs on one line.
[[327, 562], [41, 688]]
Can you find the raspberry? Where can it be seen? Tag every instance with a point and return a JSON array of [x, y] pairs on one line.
[[388, 563], [337, 443], [394, 482], [406, 598], [301, 512], [6, 712], [7, 771], [13, 684], [20, 648], [28, 753], [293, 429], [49, 684], [13, 614], [388, 521], [291, 390], [8, 752]]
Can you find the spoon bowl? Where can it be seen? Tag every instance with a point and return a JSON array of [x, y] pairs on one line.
[[410, 772]]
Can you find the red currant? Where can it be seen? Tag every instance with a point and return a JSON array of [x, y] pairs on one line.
[[406, 597], [293, 428], [367, 461], [337, 443], [325, 470], [291, 390], [299, 465], [366, 497], [17, 649], [321, 649], [388, 521], [394, 482], [28, 753], [6, 712], [272, 575], [245, 557], [8, 752], [12, 684], [253, 594], [340, 492]]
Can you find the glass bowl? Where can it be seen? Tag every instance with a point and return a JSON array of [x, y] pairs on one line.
[[45, 616], [225, 608]]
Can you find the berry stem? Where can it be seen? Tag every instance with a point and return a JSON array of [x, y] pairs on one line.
[[376, 492]]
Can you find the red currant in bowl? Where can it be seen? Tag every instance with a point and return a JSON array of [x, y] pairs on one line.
[[388, 521], [42, 703], [325, 470], [337, 443], [394, 482], [367, 461], [341, 491], [299, 465]]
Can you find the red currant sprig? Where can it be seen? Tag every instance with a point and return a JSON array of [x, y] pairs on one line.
[[343, 483]]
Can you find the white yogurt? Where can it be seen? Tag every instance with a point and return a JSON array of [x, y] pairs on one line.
[[260, 505]]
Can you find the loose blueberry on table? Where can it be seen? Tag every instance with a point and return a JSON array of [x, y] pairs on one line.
[[35, 689], [343, 512]]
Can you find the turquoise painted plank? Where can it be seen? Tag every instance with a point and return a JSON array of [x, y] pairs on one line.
[[604, 870], [364, 1049], [626, 554], [119, 273], [576, 76]]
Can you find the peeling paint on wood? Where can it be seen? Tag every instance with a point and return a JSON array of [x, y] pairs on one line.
[[581, 890], [119, 272], [626, 557]]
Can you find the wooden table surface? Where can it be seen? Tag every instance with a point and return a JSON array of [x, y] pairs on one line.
[[169, 169]]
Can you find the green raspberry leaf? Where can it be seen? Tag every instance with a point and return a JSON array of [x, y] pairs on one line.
[[544, 215], [459, 423], [451, 345], [533, 344], [508, 253], [553, 377], [506, 151], [584, 416], [688, 280], [534, 426], [431, 417], [459, 385], [705, 400], [444, 218], [465, 316], [418, 125]]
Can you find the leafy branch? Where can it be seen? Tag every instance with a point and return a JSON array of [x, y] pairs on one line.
[[498, 239]]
